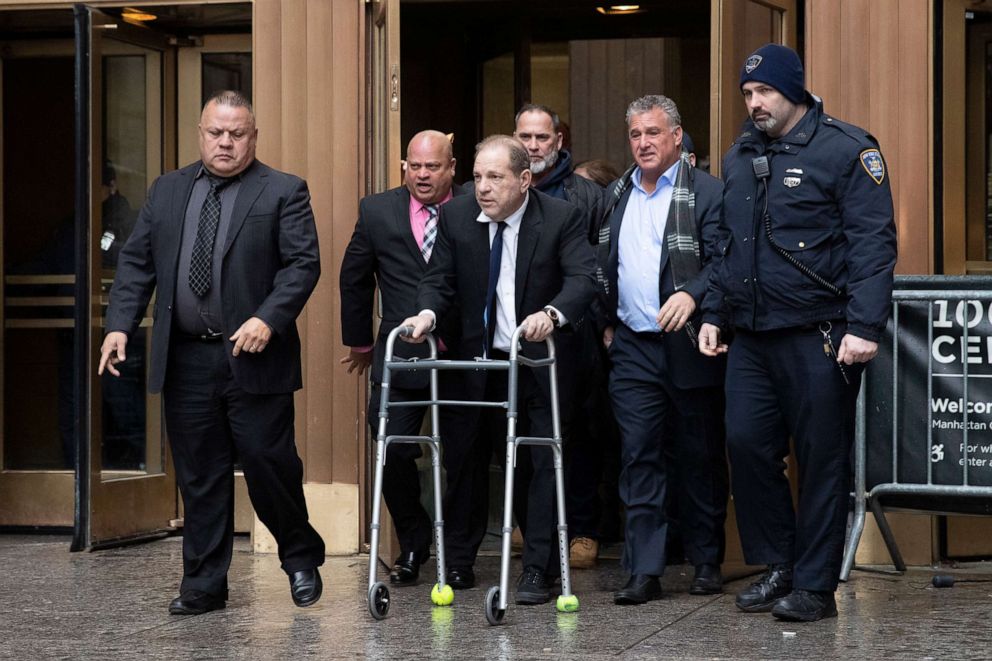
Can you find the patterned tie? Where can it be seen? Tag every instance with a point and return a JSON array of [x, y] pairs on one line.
[[430, 232], [489, 314], [201, 262]]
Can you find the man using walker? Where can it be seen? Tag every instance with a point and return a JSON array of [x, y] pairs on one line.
[[528, 255]]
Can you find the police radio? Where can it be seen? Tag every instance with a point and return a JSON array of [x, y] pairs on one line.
[[762, 171]]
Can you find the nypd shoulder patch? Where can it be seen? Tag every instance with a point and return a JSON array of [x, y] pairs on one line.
[[871, 161]]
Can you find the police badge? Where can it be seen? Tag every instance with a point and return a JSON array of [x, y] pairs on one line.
[[752, 63], [871, 161]]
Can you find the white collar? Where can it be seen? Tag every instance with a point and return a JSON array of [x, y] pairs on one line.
[[668, 176]]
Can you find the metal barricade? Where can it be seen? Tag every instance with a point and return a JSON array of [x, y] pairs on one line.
[[441, 594], [915, 488]]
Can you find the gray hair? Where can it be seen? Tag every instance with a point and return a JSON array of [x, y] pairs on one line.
[[537, 107], [519, 158], [650, 102], [231, 98]]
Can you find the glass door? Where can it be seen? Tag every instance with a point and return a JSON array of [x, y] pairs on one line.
[[127, 487], [37, 440]]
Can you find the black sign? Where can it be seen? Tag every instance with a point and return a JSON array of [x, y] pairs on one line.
[[933, 396]]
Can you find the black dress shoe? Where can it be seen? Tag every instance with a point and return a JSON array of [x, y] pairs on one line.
[[707, 580], [406, 569], [305, 586], [805, 606], [460, 578], [533, 588], [640, 589], [760, 596], [194, 602]]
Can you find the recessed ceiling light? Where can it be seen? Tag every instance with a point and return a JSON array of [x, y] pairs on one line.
[[616, 10], [133, 15]]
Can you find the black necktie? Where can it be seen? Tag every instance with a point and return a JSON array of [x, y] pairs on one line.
[[201, 262], [489, 314]]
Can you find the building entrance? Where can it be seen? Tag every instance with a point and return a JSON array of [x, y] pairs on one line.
[[465, 67], [91, 105]]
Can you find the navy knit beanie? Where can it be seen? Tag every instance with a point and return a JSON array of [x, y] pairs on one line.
[[687, 142], [778, 66]]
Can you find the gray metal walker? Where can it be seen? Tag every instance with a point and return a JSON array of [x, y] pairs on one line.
[[442, 594]]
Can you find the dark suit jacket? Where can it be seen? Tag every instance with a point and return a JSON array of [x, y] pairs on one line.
[[271, 264], [689, 368], [384, 252], [555, 266]]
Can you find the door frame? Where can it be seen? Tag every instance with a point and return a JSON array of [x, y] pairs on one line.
[[955, 138], [725, 97]]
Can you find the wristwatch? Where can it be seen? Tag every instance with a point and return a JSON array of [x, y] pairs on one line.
[[551, 312]]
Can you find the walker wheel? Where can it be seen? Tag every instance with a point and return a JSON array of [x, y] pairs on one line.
[[494, 614], [379, 600]]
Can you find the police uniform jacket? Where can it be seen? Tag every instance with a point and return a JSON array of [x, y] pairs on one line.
[[830, 207]]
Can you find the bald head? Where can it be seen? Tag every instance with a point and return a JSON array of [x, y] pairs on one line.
[[431, 140], [429, 169]]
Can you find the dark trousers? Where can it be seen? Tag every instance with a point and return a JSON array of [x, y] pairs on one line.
[[468, 450], [781, 384], [590, 436], [591, 448], [401, 479], [209, 417], [651, 412]]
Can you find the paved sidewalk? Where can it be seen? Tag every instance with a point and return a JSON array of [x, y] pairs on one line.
[[113, 605]]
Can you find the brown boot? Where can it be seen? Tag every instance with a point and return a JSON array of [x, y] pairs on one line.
[[582, 553]]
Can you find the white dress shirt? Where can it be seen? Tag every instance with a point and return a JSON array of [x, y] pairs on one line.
[[506, 284]]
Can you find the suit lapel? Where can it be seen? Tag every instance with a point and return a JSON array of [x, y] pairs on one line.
[[479, 247], [615, 221], [172, 231], [401, 218], [252, 183], [527, 237]]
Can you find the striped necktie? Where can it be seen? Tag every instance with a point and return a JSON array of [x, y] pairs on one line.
[[430, 231]]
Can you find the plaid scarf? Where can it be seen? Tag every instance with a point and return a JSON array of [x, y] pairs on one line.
[[681, 233], [603, 245]]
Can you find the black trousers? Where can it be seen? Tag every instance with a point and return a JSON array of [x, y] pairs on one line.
[[651, 412], [781, 384], [591, 441], [209, 418], [400, 479], [469, 447]]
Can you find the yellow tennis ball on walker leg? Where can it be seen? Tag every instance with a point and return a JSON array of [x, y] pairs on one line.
[[568, 604], [442, 596]]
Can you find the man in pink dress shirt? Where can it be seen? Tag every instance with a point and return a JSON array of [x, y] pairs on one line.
[[390, 249]]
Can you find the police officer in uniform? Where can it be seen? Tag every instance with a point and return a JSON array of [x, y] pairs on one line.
[[805, 283]]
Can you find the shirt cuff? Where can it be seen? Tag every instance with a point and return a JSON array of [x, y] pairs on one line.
[[432, 316], [362, 349]]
